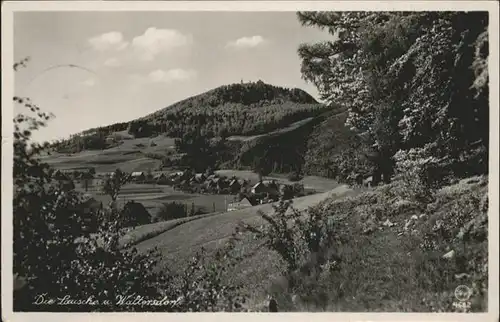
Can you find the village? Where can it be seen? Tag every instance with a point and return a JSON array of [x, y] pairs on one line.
[[244, 192]]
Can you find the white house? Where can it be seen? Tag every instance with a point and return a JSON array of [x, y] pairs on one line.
[[138, 176], [244, 203], [258, 188]]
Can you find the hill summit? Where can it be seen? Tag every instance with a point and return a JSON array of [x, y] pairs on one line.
[[249, 94], [236, 109]]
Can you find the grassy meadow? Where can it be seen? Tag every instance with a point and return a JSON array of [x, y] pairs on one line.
[[384, 271]]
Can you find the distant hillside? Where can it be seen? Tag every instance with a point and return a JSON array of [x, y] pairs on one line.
[[321, 146], [280, 130], [237, 109], [247, 94], [335, 151]]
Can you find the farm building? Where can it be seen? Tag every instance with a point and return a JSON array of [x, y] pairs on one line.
[[199, 177], [160, 178], [235, 186], [259, 187], [217, 183], [271, 184], [283, 188], [138, 176], [90, 204], [58, 175], [176, 174], [244, 203], [265, 187]]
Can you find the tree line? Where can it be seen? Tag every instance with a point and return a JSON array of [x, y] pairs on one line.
[[236, 109], [411, 81]]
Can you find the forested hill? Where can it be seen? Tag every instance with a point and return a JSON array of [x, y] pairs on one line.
[[236, 109], [253, 94]]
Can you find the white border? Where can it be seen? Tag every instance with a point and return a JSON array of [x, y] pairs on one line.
[[7, 129]]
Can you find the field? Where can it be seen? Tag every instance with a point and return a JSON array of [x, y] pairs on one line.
[[318, 184], [129, 156], [181, 242], [383, 271], [289, 128], [153, 196]]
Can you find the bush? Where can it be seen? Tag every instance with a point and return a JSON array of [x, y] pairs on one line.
[[55, 258], [135, 214], [156, 156], [287, 192], [299, 238], [418, 174], [171, 210]]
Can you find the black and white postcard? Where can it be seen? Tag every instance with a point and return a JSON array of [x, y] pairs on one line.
[[286, 158]]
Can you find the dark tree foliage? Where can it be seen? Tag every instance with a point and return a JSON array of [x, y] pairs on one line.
[[237, 109], [201, 153], [410, 80], [171, 210], [112, 185], [335, 151], [135, 214], [280, 153], [140, 129], [53, 253]]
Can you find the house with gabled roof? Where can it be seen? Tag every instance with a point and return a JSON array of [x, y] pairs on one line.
[[160, 178], [268, 187], [138, 176], [234, 185], [200, 177], [243, 203]]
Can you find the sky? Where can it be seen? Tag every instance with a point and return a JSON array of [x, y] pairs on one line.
[[135, 63]]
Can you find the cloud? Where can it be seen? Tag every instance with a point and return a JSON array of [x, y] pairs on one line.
[[112, 62], [246, 42], [89, 82], [108, 41], [155, 41], [161, 76]]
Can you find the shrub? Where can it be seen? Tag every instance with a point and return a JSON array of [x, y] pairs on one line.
[[417, 172], [287, 192], [297, 237], [156, 156], [52, 253], [171, 210], [135, 214], [55, 258], [295, 176]]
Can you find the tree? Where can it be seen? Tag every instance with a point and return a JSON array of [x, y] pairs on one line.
[[135, 214], [199, 155], [54, 256], [192, 212], [113, 184], [87, 178], [287, 192], [171, 210], [261, 165], [408, 79]]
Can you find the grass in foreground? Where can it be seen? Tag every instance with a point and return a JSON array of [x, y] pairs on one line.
[[390, 254], [398, 269]]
